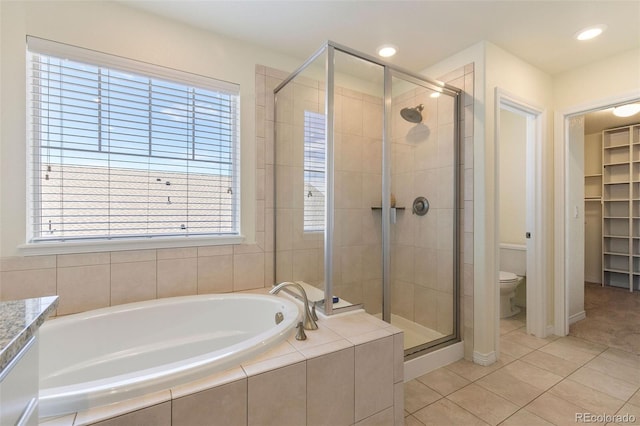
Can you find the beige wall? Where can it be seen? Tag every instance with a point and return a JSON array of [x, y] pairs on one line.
[[93, 280], [614, 76], [512, 172], [595, 85], [495, 67], [139, 36]]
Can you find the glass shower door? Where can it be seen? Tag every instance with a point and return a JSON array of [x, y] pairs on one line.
[[423, 235]]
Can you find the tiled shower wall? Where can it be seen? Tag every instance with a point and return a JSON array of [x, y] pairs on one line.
[[357, 267], [422, 249], [94, 280]]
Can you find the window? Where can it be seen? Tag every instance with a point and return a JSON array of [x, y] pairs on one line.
[[121, 149], [314, 171]]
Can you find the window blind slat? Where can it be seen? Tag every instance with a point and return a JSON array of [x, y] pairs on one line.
[[126, 155], [314, 171]]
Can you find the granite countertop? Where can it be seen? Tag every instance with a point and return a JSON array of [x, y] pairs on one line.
[[19, 320]]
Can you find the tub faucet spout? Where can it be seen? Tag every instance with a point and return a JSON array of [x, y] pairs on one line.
[[308, 321]]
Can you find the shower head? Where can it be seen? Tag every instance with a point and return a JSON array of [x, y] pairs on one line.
[[412, 115]]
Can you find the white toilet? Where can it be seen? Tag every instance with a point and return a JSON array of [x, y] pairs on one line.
[[508, 284]]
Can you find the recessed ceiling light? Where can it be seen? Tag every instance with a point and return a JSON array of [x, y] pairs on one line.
[[626, 110], [387, 50], [590, 32]]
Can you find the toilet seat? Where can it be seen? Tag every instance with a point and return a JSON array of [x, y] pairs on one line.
[[507, 277]]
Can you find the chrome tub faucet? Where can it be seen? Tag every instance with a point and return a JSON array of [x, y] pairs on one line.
[[309, 322]]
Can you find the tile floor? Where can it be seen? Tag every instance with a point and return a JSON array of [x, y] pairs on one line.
[[536, 382], [613, 318]]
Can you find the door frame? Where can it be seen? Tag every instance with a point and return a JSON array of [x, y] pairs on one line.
[[561, 200], [536, 260]]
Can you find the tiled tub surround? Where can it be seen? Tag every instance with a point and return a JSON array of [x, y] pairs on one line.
[[109, 355], [349, 371], [19, 321], [95, 280]]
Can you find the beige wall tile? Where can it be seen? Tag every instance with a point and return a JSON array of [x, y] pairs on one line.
[[207, 251], [224, 405], [383, 418], [398, 404], [398, 357], [133, 256], [177, 277], [348, 190], [26, 284], [208, 382], [248, 271], [177, 253], [330, 387], [402, 298], [373, 377], [271, 403], [372, 114], [157, 415], [305, 266], [352, 115], [133, 282], [84, 259], [83, 288], [22, 263], [215, 274]]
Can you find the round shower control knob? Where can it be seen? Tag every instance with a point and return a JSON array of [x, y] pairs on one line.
[[420, 206]]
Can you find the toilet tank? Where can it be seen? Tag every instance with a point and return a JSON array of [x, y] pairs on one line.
[[513, 258]]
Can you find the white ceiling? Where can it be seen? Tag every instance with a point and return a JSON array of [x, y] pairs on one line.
[[426, 32], [597, 121]]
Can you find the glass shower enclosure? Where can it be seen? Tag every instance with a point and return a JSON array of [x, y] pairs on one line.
[[367, 193]]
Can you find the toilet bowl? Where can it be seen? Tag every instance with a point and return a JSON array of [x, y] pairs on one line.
[[508, 284]]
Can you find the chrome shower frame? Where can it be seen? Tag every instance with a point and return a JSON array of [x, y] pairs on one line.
[[390, 71]]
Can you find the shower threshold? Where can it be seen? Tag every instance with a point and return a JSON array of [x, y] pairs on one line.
[[414, 333]]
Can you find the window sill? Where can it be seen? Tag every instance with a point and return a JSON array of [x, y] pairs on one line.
[[72, 247]]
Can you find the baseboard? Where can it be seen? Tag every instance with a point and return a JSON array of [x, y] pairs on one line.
[[551, 330], [432, 361], [484, 359], [577, 317]]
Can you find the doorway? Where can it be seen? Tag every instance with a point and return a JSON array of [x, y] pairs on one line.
[[607, 200], [569, 277], [520, 234]]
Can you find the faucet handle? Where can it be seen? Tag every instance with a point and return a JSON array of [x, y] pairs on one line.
[[300, 334]]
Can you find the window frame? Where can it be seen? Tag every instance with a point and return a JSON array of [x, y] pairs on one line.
[[43, 246]]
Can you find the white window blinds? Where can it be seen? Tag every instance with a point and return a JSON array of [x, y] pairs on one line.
[[121, 151], [314, 171]]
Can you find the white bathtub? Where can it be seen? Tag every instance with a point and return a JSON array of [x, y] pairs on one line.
[[108, 355]]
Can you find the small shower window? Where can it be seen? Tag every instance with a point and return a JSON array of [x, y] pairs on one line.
[[314, 171]]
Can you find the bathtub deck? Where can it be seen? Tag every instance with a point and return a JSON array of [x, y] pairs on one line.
[[353, 362]]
